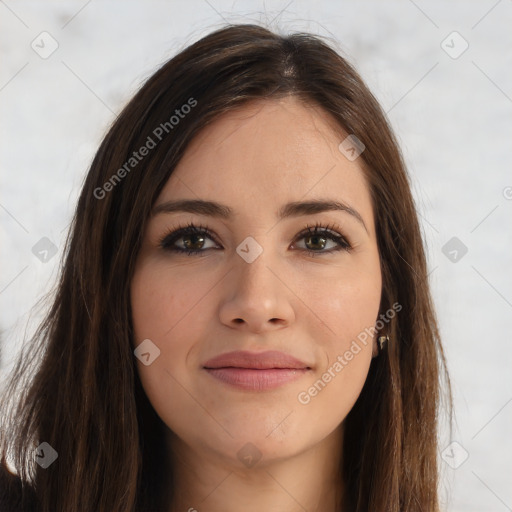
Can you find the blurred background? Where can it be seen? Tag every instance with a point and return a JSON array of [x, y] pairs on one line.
[[441, 70]]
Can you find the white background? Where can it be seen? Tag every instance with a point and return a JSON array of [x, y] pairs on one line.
[[452, 117]]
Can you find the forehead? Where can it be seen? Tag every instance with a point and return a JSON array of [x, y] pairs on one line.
[[265, 154]]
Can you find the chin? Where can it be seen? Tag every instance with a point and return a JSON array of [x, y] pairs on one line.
[[252, 444]]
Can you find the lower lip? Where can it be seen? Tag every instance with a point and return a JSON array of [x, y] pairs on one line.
[[257, 380]]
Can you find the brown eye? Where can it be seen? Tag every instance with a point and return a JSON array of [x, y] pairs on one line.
[[317, 238], [317, 242], [192, 239]]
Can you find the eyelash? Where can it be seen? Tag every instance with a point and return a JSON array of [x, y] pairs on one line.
[[167, 241]]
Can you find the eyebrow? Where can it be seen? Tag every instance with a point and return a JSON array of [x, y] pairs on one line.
[[293, 209]]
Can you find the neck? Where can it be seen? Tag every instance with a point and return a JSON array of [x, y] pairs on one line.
[[309, 480]]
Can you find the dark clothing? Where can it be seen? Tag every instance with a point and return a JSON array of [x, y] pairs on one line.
[[15, 497]]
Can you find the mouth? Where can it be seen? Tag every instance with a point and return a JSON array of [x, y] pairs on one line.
[[252, 371]]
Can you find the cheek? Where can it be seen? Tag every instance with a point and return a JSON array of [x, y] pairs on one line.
[[168, 308], [347, 307], [345, 302], [162, 300], [337, 383], [159, 313]]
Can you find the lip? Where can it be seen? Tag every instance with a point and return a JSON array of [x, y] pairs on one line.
[[254, 371], [268, 360]]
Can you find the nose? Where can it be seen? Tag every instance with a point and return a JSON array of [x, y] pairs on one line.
[[256, 297]]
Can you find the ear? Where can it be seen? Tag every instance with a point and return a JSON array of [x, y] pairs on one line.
[[375, 348]]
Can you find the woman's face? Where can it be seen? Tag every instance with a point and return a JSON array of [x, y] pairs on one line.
[[252, 286]]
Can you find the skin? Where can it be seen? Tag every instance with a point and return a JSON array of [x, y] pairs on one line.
[[255, 160]]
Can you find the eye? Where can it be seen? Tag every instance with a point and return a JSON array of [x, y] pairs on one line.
[[316, 239], [193, 239]]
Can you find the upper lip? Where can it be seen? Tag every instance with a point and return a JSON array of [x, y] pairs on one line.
[[255, 360]]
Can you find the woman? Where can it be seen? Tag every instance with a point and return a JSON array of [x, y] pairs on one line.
[[243, 319]]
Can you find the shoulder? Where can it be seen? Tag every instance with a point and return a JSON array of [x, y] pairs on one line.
[[14, 495]]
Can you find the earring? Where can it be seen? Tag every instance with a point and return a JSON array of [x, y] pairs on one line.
[[382, 340]]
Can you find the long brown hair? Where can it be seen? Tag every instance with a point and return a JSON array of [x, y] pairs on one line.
[[84, 397]]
